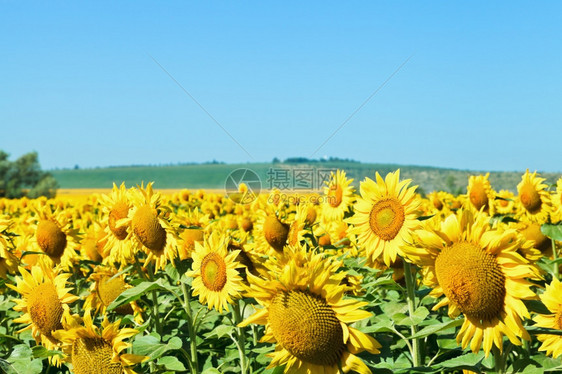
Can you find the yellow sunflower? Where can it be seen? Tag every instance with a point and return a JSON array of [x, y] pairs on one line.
[[533, 199], [8, 261], [480, 193], [55, 236], [149, 222], [384, 215], [93, 350], [308, 320], [44, 300], [557, 202], [195, 224], [504, 202], [115, 208], [338, 195], [215, 278], [552, 299], [481, 274], [271, 233], [106, 286]]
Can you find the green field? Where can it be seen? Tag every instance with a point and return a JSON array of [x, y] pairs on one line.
[[213, 176]]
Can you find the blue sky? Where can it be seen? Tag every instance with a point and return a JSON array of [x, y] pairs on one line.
[[482, 89]]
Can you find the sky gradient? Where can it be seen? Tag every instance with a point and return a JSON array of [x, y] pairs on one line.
[[482, 89]]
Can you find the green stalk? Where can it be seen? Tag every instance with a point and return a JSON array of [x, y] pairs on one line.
[[498, 360], [241, 335], [554, 257], [411, 297], [191, 327]]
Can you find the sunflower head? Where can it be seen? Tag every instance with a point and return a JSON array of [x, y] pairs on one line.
[[533, 198]]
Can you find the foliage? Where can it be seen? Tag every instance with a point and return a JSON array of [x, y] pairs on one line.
[[24, 177]]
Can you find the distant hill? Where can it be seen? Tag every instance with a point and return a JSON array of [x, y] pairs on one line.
[[301, 174]]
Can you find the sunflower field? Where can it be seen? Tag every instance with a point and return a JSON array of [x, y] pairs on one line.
[[379, 280]]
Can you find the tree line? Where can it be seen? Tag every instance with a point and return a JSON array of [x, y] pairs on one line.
[[24, 177]]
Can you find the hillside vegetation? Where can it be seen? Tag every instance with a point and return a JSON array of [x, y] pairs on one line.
[[283, 175]]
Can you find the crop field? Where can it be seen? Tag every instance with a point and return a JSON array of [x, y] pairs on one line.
[[364, 275]]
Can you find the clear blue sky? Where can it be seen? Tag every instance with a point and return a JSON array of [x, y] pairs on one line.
[[482, 90]]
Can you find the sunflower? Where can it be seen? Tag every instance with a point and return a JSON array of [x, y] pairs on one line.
[[116, 208], [480, 193], [215, 278], [92, 350], [8, 261], [384, 215], [557, 202], [504, 202], [552, 299], [271, 233], [106, 286], [338, 195], [306, 316], [44, 300], [481, 274], [149, 222], [195, 224], [533, 199], [55, 236]]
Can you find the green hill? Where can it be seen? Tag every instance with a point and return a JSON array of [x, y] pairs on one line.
[[294, 175]]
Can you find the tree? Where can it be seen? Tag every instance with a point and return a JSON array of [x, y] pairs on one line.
[[25, 177]]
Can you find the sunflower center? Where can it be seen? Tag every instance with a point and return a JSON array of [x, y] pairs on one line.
[[530, 198], [213, 272], [93, 355], [148, 230], [306, 326], [45, 308], [120, 210], [478, 196], [386, 218], [472, 280], [275, 232], [335, 194], [50, 238], [558, 318], [504, 203]]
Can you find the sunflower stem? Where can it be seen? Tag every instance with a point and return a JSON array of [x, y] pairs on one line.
[[498, 360], [554, 257], [241, 335], [192, 328], [411, 297]]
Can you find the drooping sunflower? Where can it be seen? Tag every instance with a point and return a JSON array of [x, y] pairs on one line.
[[195, 223], [504, 202], [8, 261], [215, 278], [44, 300], [481, 274], [384, 215], [308, 320], [115, 208], [271, 233], [480, 194], [338, 195], [106, 286], [552, 299], [92, 350], [533, 199], [149, 222], [55, 236], [557, 202]]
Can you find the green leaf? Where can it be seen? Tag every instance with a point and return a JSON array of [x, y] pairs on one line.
[[419, 315], [221, 331], [171, 363], [543, 330], [150, 345], [41, 352], [468, 361], [21, 361], [436, 328], [135, 293], [552, 231]]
